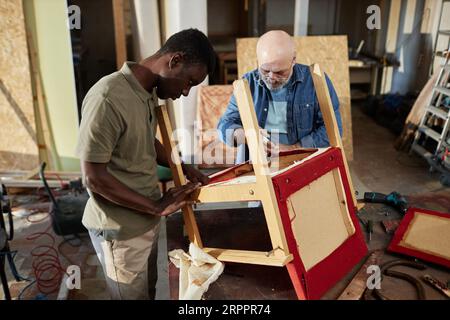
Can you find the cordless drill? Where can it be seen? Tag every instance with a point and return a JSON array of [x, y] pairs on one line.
[[393, 199]]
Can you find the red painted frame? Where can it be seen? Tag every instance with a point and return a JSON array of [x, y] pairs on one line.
[[329, 271], [395, 246], [314, 283]]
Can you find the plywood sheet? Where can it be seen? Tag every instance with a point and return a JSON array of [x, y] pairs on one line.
[[18, 147], [331, 53], [429, 234], [320, 221]]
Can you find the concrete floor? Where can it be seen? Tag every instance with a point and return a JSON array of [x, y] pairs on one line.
[[377, 166]]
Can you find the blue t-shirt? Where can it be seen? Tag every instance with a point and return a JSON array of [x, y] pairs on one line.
[[276, 122]]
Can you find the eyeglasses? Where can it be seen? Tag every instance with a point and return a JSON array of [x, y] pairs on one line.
[[281, 74]]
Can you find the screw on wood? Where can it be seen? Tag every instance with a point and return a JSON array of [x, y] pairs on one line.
[[268, 254]]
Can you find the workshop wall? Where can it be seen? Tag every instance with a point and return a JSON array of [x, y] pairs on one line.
[[411, 40], [414, 32], [98, 54], [414, 43], [280, 15], [321, 17], [350, 19], [52, 41], [175, 19], [145, 28], [409, 47], [226, 18]]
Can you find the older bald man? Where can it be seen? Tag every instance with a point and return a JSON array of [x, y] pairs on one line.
[[285, 100]]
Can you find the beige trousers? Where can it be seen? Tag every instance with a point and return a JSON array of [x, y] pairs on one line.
[[129, 265]]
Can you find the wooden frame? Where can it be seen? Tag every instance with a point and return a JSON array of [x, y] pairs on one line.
[[177, 172], [318, 276], [273, 190], [424, 234], [262, 189]]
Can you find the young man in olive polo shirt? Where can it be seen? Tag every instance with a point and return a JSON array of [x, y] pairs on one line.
[[119, 155]]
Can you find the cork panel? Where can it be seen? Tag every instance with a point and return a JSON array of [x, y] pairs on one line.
[[211, 105]]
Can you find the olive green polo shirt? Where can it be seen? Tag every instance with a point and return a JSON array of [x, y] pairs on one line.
[[118, 127]]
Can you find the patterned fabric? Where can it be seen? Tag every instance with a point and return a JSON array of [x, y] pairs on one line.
[[212, 103]]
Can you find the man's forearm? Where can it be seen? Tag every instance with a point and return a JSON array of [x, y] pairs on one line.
[[316, 139], [290, 146], [161, 154], [108, 187]]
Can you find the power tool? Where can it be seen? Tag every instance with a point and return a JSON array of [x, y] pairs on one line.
[[393, 199]]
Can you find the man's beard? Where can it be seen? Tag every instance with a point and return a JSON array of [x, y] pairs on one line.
[[276, 85]]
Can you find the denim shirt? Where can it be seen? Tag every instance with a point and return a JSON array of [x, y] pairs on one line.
[[304, 119]]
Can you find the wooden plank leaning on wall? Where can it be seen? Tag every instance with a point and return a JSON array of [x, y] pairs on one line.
[[119, 32]]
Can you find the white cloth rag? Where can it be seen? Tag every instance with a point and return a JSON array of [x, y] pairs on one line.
[[197, 271]]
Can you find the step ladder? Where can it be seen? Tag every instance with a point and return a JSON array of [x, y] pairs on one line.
[[435, 112]]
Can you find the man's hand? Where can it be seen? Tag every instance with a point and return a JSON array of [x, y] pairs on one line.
[[239, 137], [176, 198], [288, 147], [194, 175], [269, 147]]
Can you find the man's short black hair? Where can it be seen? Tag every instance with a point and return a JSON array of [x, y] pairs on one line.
[[195, 46]]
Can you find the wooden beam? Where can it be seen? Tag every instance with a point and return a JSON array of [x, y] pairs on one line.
[[408, 24], [31, 174], [61, 174], [391, 43], [264, 183], [15, 183], [119, 32], [25, 175], [227, 193], [343, 202], [358, 285], [329, 118], [394, 21], [177, 172], [46, 143], [250, 257]]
